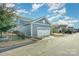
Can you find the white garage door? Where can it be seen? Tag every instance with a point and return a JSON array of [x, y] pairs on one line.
[[41, 31]]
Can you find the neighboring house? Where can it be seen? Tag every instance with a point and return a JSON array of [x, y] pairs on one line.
[[64, 28], [59, 28], [38, 28]]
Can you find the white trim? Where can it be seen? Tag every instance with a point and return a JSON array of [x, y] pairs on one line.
[[31, 29], [37, 20], [48, 21], [42, 24], [42, 19]]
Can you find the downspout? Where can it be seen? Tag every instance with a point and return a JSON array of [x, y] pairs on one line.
[[51, 28], [31, 29]]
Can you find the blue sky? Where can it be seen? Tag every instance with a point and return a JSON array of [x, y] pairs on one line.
[[36, 14], [56, 13], [73, 10]]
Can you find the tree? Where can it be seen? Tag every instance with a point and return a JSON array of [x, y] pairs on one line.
[[55, 30], [6, 17], [63, 28]]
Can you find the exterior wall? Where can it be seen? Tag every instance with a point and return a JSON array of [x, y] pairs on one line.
[[22, 22], [26, 30], [42, 20], [30, 29], [35, 26]]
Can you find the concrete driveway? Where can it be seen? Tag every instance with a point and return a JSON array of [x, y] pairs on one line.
[[67, 45]]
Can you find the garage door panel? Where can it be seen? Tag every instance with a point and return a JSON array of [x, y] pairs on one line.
[[41, 32]]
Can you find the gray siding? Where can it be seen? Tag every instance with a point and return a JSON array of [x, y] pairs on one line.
[[34, 28], [29, 30], [26, 30], [41, 21], [22, 22]]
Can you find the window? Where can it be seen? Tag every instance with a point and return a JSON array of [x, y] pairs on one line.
[[44, 21]]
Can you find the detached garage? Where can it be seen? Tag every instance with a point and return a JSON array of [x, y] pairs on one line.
[[40, 28], [43, 31]]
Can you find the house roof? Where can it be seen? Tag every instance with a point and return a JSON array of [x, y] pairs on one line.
[[45, 18], [29, 20]]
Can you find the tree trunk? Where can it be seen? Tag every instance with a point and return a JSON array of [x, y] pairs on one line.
[[1, 35]]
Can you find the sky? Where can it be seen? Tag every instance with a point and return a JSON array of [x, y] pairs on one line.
[[57, 13]]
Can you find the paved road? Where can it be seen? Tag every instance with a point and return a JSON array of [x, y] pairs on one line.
[[49, 46]]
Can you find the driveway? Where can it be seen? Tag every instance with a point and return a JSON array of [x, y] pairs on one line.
[[67, 45]]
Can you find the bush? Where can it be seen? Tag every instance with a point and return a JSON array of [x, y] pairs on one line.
[[68, 31], [55, 30]]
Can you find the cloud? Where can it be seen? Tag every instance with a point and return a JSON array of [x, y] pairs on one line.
[[21, 11], [10, 5], [61, 11], [54, 17], [76, 21], [67, 18], [48, 16], [62, 22], [72, 21], [69, 22], [59, 15], [36, 6], [57, 9], [55, 6], [66, 21]]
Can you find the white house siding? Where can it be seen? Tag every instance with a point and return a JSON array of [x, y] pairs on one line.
[[35, 26]]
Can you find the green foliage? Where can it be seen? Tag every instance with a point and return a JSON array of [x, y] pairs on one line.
[[6, 16], [55, 30], [63, 28], [68, 31]]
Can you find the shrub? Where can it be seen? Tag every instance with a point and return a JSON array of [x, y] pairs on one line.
[[55, 30]]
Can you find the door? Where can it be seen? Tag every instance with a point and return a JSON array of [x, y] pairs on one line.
[[43, 31]]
